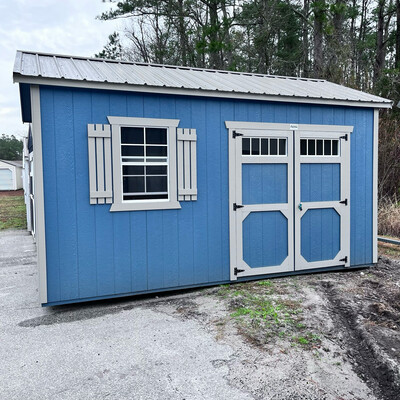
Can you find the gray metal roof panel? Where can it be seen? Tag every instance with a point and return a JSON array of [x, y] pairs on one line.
[[29, 64]]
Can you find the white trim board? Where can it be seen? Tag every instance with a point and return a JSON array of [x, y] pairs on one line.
[[375, 190], [40, 233], [193, 92]]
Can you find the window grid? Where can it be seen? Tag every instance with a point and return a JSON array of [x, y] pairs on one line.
[[264, 146], [145, 161], [319, 147]]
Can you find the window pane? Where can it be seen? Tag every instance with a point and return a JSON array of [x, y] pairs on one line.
[[282, 147], [156, 170], [155, 151], [264, 147], [156, 160], [327, 147], [156, 183], [311, 147], [133, 184], [156, 136], [255, 146], [320, 150], [132, 159], [303, 147], [132, 150], [245, 146], [273, 143], [132, 170], [335, 148], [132, 135], [145, 196]]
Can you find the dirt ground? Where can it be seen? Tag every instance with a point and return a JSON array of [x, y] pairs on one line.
[[321, 336], [10, 193], [328, 336]]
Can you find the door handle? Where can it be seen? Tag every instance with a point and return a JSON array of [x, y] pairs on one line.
[[300, 206]]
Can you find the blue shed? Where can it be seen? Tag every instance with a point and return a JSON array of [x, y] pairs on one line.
[[150, 178]]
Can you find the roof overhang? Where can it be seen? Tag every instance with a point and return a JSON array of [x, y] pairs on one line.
[[37, 80]]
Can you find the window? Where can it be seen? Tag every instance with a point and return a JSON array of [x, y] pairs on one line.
[[319, 147], [144, 163], [264, 146]]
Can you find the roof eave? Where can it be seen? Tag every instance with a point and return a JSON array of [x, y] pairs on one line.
[[38, 80]]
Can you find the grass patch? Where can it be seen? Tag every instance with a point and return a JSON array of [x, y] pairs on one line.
[[12, 212], [263, 314]]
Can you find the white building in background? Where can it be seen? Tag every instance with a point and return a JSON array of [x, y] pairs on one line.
[[10, 175]]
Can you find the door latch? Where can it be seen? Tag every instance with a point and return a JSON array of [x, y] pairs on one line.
[[300, 206], [343, 202]]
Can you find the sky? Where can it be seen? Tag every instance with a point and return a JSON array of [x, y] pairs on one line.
[[53, 26]]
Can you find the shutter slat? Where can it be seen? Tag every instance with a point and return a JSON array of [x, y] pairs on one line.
[[186, 153], [100, 170], [180, 164], [107, 168], [193, 163], [92, 169], [187, 169]]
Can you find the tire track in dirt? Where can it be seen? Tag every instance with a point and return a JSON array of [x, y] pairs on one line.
[[371, 361]]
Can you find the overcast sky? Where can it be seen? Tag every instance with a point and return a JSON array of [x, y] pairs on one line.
[[54, 26]]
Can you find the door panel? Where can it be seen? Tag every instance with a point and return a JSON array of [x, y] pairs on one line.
[[320, 182], [6, 182], [258, 179], [265, 239], [320, 234]]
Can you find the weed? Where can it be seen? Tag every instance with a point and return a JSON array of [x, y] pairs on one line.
[[265, 283]]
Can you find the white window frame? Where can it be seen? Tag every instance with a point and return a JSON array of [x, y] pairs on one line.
[[146, 204]]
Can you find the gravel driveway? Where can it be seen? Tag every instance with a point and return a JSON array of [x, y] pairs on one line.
[[191, 345]]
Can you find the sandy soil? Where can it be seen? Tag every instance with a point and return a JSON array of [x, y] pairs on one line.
[[321, 336]]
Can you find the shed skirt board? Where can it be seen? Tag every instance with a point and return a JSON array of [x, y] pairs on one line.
[[6, 179], [290, 204]]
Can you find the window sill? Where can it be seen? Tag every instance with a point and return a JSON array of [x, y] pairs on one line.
[[168, 205]]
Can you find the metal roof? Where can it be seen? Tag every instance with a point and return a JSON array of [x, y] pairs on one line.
[[65, 70]]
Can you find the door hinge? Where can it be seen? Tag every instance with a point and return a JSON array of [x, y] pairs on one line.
[[344, 260], [343, 202], [237, 271], [236, 206], [236, 134], [345, 137]]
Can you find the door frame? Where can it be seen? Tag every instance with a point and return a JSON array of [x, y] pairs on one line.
[[235, 126]]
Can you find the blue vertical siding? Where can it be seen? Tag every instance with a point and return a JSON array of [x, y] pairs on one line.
[[92, 252]]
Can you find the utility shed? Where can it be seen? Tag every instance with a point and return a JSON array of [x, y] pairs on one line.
[[10, 175], [150, 178]]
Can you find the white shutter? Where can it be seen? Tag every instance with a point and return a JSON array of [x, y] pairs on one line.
[[100, 173], [187, 164]]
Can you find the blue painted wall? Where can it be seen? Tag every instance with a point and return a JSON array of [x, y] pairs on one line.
[[93, 253]]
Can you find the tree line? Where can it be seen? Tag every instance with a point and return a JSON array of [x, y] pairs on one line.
[[351, 42]]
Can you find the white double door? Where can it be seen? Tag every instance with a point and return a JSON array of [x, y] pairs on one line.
[[289, 198]]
